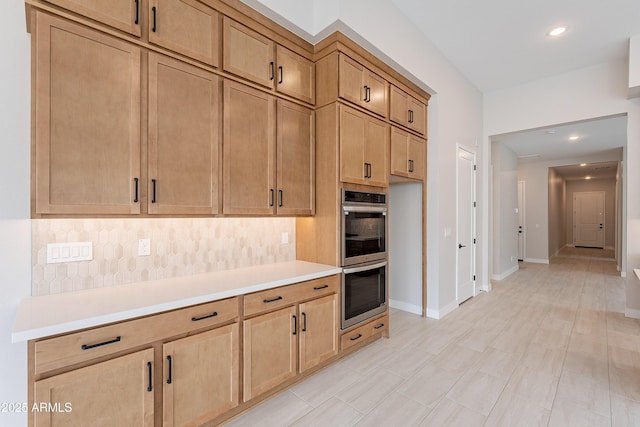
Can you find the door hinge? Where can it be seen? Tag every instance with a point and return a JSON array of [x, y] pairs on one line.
[[474, 241], [474, 204], [474, 167], [474, 277]]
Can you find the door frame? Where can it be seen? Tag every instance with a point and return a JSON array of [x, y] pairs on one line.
[[459, 148], [522, 213], [604, 216]]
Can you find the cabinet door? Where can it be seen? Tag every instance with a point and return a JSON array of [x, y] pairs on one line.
[[399, 152], [186, 27], [417, 116], [249, 151], [377, 97], [295, 75], [399, 106], [416, 157], [270, 351], [121, 14], [118, 392], [295, 159], [87, 121], [248, 54], [375, 154], [201, 376], [318, 331], [352, 139], [351, 77], [183, 138]]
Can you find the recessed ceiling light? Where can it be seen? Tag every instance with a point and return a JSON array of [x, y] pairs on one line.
[[583, 164], [550, 131], [557, 31], [574, 137], [587, 177]]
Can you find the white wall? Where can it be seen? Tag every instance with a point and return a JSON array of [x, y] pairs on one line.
[[634, 65], [596, 91], [15, 228], [557, 212], [405, 247], [505, 219], [609, 188]]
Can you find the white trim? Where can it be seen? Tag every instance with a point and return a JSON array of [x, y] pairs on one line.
[[439, 314], [473, 154], [405, 306], [632, 313], [504, 274], [623, 274], [537, 260], [485, 287]]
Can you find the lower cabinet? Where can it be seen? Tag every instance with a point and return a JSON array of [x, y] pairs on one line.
[[200, 376], [318, 331], [118, 392]]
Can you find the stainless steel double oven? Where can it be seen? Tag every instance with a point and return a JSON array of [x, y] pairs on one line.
[[364, 256]]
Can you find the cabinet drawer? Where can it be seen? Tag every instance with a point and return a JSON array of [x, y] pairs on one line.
[[82, 346], [361, 333], [283, 296]]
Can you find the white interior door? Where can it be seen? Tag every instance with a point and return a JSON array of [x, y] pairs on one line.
[[588, 219], [465, 220], [521, 236]]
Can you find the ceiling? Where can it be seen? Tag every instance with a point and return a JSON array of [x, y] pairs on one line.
[[502, 43], [603, 170]]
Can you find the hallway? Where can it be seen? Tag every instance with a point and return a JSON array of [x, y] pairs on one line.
[[548, 346]]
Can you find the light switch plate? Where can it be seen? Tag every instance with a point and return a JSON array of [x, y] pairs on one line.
[[69, 252], [144, 247]]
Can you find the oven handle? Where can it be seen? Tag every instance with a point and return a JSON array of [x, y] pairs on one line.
[[364, 209], [364, 267]]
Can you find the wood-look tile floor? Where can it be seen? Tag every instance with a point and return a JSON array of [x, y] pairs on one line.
[[549, 346]]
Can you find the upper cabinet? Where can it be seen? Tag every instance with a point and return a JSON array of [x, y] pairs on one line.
[[340, 76], [408, 111], [185, 26], [251, 55], [184, 138], [120, 14], [87, 121], [408, 154]]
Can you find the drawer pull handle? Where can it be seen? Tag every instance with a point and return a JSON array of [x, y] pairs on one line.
[[272, 300], [150, 371], [295, 325], [100, 344], [317, 288], [195, 319], [379, 326], [357, 337], [304, 322], [169, 362]]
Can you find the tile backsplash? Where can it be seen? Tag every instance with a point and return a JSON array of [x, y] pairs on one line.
[[179, 247]]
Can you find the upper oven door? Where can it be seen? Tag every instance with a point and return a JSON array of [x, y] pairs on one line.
[[363, 234]]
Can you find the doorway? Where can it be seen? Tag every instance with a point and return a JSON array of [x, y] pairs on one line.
[[521, 229], [465, 224], [588, 219]]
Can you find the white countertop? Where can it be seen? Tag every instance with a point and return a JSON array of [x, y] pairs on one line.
[[59, 313]]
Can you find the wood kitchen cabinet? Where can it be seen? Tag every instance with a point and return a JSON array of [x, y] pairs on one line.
[[248, 53], [187, 27], [200, 376], [318, 331], [408, 153], [120, 14], [295, 75], [87, 121], [407, 111], [364, 143], [362, 86], [253, 151], [118, 392], [184, 138]]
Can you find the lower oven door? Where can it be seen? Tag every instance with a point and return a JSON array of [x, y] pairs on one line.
[[364, 292]]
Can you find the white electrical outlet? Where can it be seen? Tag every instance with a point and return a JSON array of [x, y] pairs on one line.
[[284, 238], [144, 247], [69, 252]]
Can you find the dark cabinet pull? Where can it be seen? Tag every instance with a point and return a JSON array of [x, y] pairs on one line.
[[281, 73], [272, 69], [317, 288], [272, 300], [136, 181], [367, 170], [209, 316], [281, 198], [271, 196], [153, 11], [169, 362], [153, 190], [100, 344], [410, 165], [150, 372], [410, 116], [379, 326], [137, 21], [357, 337], [304, 322], [295, 325], [368, 94]]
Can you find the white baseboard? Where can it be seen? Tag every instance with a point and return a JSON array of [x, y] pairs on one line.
[[404, 306], [439, 314], [485, 287], [632, 313], [537, 260], [623, 274], [504, 274]]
